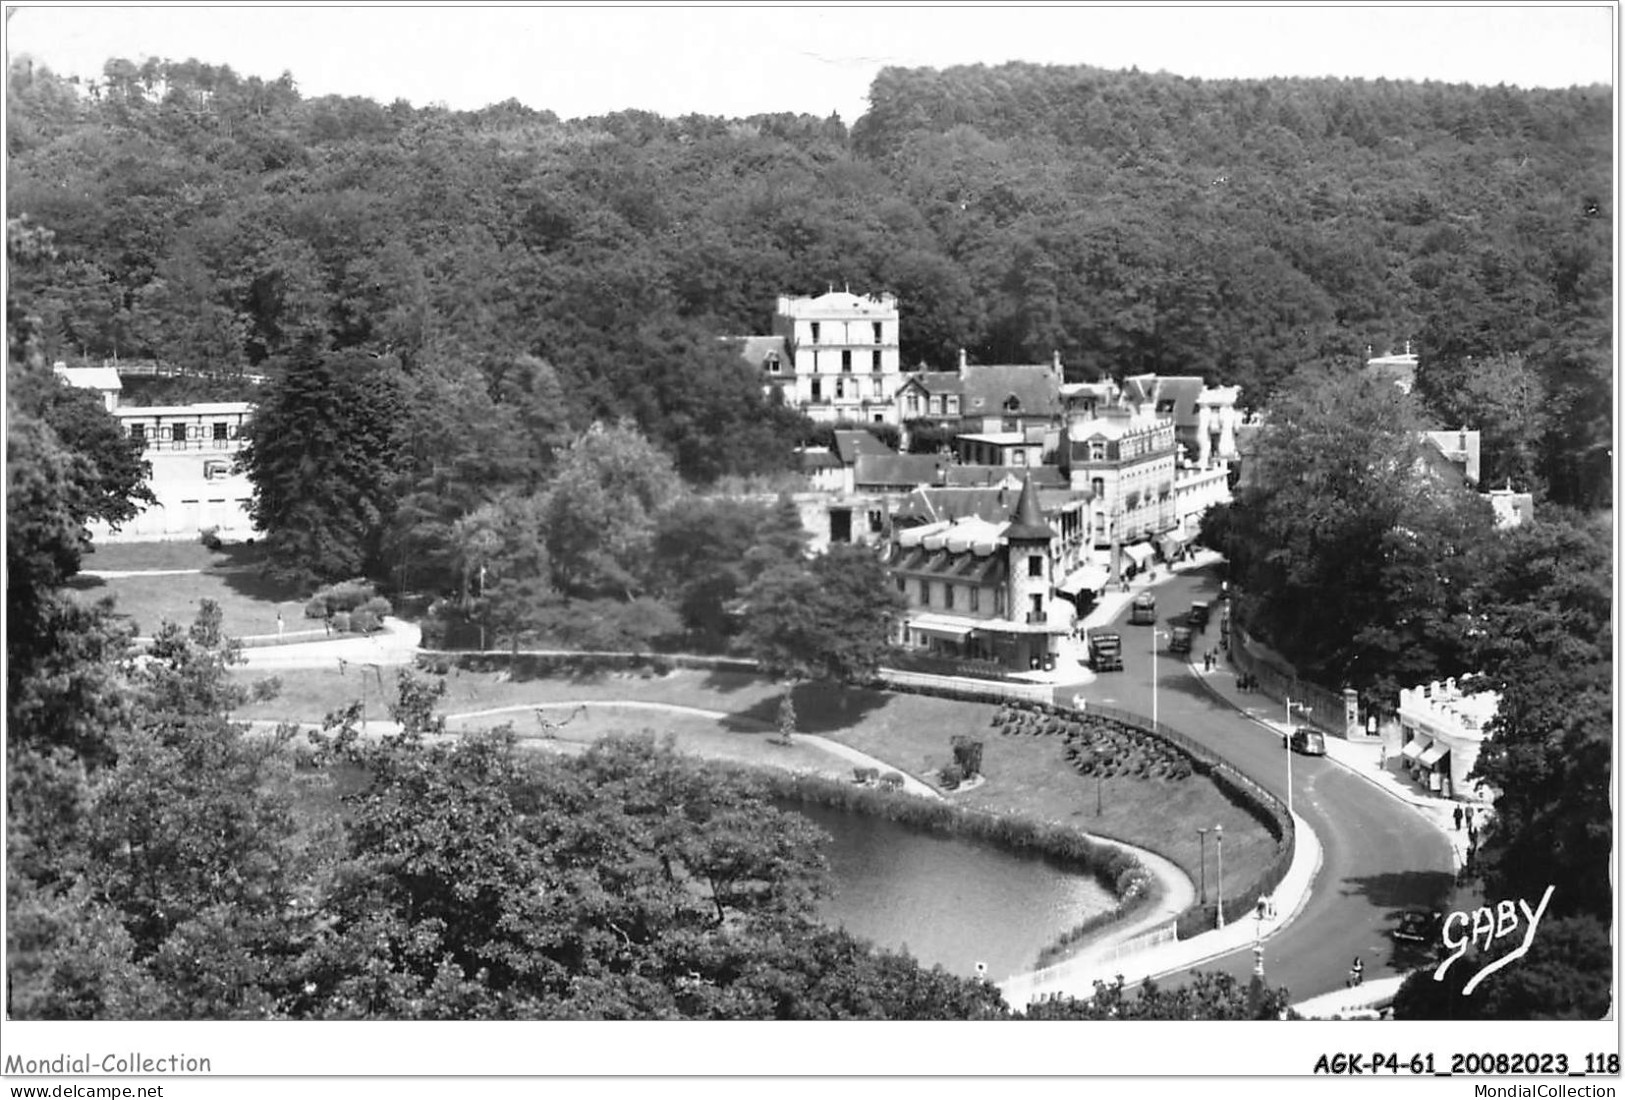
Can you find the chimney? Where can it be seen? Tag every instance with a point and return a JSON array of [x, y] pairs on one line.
[[1060, 375], [1407, 347], [961, 359]]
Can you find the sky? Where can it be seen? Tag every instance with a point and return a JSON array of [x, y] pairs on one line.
[[739, 60]]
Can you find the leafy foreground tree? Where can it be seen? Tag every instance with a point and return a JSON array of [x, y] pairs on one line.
[[827, 619], [1208, 996]]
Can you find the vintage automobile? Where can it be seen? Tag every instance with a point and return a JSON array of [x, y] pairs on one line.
[[1143, 611], [1105, 652], [1179, 640], [1309, 742], [1418, 926], [1198, 614]]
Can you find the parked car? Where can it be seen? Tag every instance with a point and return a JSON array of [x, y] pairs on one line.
[[1418, 926], [1198, 615], [1309, 742]]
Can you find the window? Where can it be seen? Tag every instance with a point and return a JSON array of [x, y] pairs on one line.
[[846, 361], [1038, 607], [1097, 486], [953, 405], [877, 520], [138, 431], [874, 361], [177, 432], [902, 585], [914, 404], [998, 602], [840, 388], [817, 390], [773, 364], [936, 406], [925, 593], [880, 390], [975, 598], [877, 337], [815, 332], [1020, 456], [1035, 565], [948, 596], [1097, 450]]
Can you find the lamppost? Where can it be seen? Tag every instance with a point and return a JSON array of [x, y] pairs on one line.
[[1301, 710], [1258, 939], [1155, 634], [1218, 842], [1202, 835]]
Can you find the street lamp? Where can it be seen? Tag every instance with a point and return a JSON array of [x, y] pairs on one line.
[[1155, 634], [1301, 710], [1218, 841], [1202, 834]]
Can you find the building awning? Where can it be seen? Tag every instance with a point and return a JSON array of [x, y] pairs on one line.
[[1435, 752], [942, 626], [1414, 749], [1139, 553], [1171, 543], [1090, 578]]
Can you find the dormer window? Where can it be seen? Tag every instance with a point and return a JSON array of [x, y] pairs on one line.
[[1097, 450], [772, 363]]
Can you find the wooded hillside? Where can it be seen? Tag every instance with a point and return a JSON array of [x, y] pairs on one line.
[[1236, 229]]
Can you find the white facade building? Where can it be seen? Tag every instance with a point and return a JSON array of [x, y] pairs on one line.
[[841, 359], [1441, 731]]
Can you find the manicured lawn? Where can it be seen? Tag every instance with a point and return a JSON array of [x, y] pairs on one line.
[[177, 554], [1025, 774], [248, 604]]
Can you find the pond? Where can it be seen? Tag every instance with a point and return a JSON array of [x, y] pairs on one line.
[[948, 900]]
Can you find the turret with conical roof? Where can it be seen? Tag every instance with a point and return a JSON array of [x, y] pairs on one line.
[[1028, 524]]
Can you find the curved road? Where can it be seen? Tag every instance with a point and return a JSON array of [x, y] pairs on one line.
[[1379, 855]]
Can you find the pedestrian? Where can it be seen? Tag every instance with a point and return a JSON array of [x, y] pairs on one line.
[[1356, 972], [1458, 819], [1382, 756]]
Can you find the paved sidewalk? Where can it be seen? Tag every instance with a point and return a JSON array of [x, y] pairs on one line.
[[1105, 961], [1365, 759]]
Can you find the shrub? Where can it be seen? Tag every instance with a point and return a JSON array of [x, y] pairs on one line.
[[952, 775], [210, 537], [968, 755], [363, 621], [893, 780], [316, 608], [866, 775], [341, 622]]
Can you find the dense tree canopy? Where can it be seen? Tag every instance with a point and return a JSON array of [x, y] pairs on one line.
[[1132, 221]]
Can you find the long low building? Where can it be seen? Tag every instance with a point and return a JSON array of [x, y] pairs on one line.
[[192, 450]]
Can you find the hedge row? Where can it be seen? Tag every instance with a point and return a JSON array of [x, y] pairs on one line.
[[533, 665], [1240, 790]]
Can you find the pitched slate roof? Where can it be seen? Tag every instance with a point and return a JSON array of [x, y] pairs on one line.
[[1029, 520], [1045, 477], [988, 388], [905, 471], [755, 349], [1183, 391], [935, 381], [850, 444], [993, 504]]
